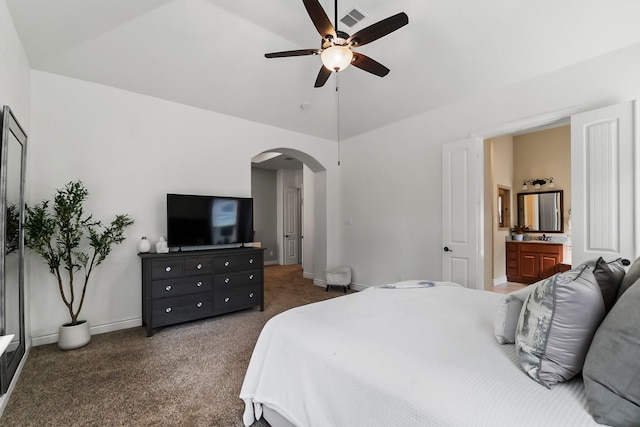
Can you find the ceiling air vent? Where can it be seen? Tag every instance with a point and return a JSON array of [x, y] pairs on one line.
[[352, 17]]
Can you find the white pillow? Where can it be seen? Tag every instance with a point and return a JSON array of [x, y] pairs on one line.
[[508, 314]]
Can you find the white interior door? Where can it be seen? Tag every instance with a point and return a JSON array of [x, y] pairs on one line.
[[291, 226], [602, 184], [462, 213]]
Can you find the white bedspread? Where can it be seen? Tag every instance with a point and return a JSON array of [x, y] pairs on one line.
[[404, 356]]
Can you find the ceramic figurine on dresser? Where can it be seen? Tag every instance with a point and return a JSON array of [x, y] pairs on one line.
[[161, 246], [144, 245]]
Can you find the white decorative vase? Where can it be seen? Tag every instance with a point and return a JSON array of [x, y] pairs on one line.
[[144, 245], [518, 237], [74, 336]]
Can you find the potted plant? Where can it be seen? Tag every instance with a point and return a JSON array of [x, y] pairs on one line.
[[518, 231], [72, 245]]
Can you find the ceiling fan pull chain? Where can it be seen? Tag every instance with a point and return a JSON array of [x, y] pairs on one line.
[[338, 113]]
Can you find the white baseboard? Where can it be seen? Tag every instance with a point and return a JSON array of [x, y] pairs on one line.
[[358, 287], [500, 281], [100, 329], [319, 282]]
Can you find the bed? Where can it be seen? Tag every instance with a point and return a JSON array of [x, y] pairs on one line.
[[410, 354]]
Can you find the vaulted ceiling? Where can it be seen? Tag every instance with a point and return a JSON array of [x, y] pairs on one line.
[[210, 53]]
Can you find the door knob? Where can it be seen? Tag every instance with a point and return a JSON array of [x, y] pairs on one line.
[[446, 249]]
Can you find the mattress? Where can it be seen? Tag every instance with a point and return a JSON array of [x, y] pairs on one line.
[[406, 355]]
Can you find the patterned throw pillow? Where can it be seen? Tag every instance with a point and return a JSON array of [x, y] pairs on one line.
[[556, 325]]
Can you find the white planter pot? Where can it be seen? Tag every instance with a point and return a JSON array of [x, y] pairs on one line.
[[74, 336], [518, 237]]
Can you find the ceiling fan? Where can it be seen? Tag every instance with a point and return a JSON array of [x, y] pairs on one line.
[[336, 47]]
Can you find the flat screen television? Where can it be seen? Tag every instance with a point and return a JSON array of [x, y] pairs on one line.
[[208, 221]]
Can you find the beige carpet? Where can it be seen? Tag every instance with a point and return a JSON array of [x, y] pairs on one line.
[[186, 375]]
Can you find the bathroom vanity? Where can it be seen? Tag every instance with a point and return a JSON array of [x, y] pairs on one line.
[[532, 260]]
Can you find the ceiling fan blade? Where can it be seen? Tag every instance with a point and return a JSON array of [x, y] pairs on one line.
[[369, 65], [379, 29], [286, 53], [323, 76], [319, 18]]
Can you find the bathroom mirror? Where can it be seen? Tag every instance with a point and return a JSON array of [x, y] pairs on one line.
[[12, 169], [541, 211]]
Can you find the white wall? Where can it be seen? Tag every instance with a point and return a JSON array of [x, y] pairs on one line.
[[502, 175], [308, 223], [15, 76], [391, 177], [265, 215], [130, 150]]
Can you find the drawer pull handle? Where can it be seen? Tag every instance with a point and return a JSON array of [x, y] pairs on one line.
[[251, 295], [167, 288], [199, 305], [199, 284], [199, 266], [251, 261], [227, 280], [251, 277], [226, 263], [226, 299], [168, 269], [168, 309]]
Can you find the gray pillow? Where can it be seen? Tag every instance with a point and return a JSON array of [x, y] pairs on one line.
[[556, 325], [609, 275], [632, 276], [612, 367], [508, 313]]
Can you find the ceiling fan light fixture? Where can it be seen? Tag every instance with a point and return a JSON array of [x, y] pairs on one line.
[[336, 58]]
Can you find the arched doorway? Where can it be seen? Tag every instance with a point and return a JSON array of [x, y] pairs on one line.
[[282, 177]]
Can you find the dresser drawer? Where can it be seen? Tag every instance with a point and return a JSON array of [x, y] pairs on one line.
[[167, 311], [250, 261], [182, 286], [241, 278], [237, 298], [197, 266], [166, 269], [225, 263]]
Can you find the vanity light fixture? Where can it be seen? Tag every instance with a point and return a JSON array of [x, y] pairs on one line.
[[537, 183]]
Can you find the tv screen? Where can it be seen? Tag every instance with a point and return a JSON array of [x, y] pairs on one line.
[[208, 220]]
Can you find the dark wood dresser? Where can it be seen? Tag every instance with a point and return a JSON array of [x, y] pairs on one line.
[[183, 286], [528, 262]]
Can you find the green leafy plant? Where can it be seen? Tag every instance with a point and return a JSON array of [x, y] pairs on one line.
[[70, 241], [520, 229]]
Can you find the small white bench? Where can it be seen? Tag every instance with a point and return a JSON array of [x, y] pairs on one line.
[[338, 276]]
